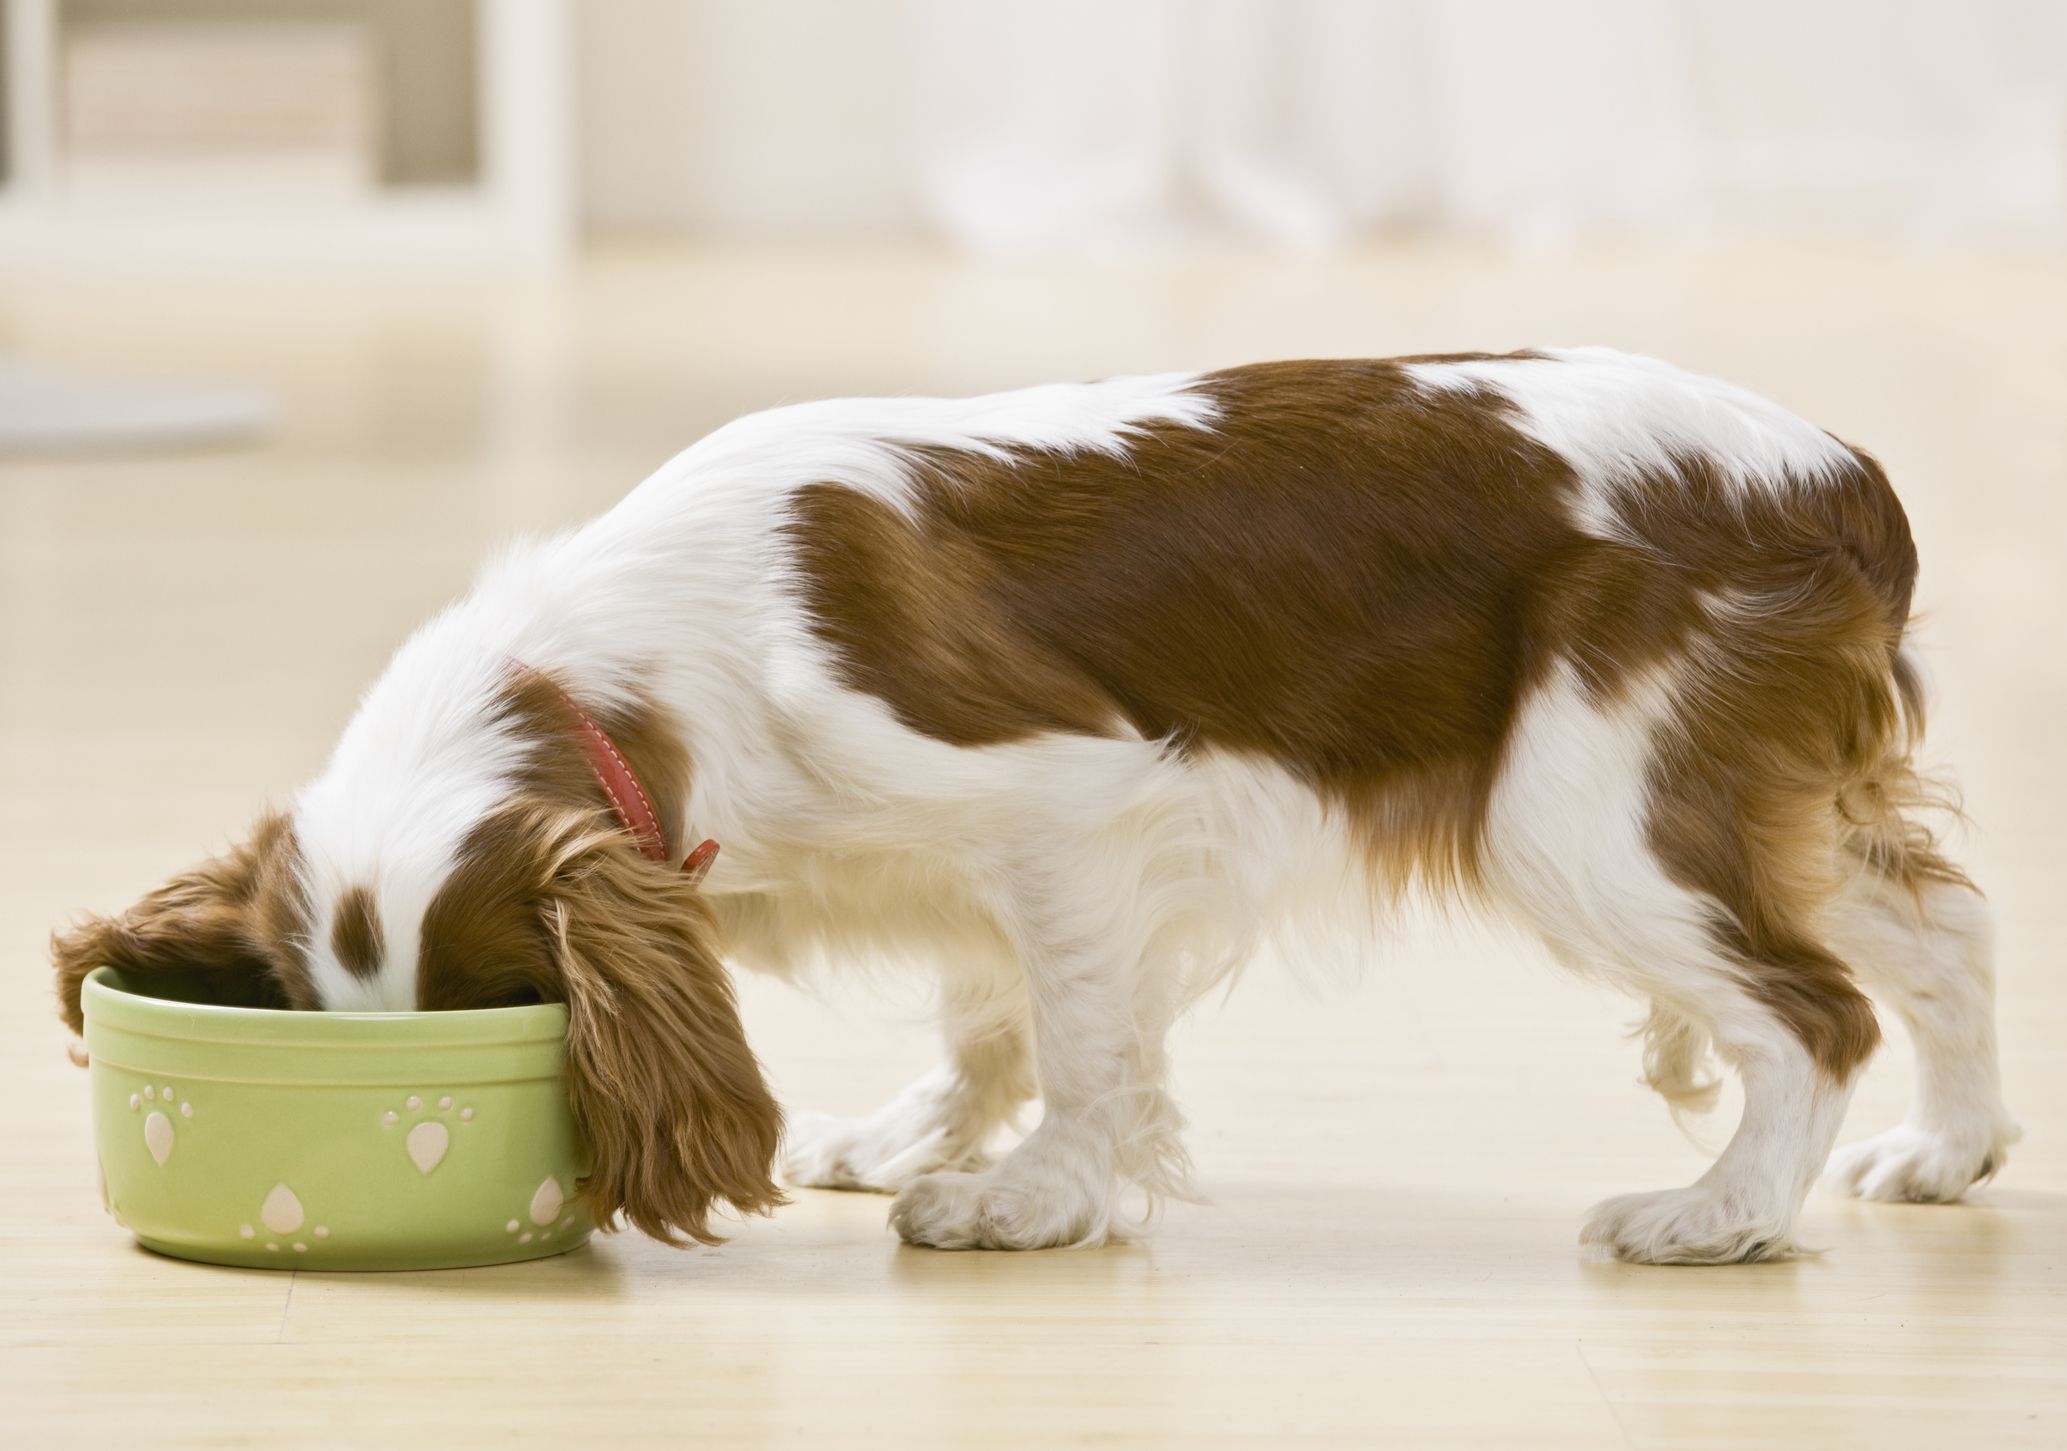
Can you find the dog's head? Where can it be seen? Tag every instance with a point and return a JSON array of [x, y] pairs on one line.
[[237, 921], [482, 878]]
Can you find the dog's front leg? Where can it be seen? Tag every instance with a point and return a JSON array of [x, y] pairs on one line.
[[1099, 1016], [942, 1119]]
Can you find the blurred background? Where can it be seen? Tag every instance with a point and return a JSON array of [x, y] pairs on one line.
[[305, 305], [1011, 188], [410, 131]]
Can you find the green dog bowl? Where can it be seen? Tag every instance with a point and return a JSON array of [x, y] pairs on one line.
[[331, 1141]]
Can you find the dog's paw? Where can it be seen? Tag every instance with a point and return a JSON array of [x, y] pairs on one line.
[[1692, 1226], [880, 1153], [1913, 1165], [989, 1211]]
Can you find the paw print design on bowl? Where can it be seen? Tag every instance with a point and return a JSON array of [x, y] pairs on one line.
[[159, 1136], [429, 1137], [282, 1215], [543, 1212]]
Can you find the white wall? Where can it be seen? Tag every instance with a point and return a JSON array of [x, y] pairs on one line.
[[742, 116], [1034, 124]]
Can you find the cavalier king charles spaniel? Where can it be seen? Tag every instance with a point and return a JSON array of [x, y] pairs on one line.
[[1076, 695]]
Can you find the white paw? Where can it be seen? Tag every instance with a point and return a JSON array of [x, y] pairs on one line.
[[1692, 1226], [883, 1152], [1913, 1165], [992, 1210]]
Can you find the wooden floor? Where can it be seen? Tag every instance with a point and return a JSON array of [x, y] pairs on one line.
[[1398, 1164]]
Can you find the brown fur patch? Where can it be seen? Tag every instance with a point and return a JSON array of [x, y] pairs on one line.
[[557, 905], [1336, 578], [1793, 708], [480, 943], [236, 922], [552, 901], [1363, 581], [355, 933], [669, 1097]]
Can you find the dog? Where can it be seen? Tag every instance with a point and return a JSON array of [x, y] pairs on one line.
[[1077, 694]]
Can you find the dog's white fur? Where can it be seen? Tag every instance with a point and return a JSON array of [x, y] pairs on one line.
[[1075, 893]]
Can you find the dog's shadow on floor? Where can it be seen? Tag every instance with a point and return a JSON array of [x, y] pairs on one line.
[[1343, 1244], [580, 1274], [1287, 1237], [1390, 1242]]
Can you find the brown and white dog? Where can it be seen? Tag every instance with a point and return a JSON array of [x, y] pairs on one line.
[[1076, 693]]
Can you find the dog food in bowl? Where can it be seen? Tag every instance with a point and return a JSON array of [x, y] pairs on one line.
[[331, 1141]]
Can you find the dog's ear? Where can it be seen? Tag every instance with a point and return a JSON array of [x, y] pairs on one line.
[[233, 923], [669, 1096]]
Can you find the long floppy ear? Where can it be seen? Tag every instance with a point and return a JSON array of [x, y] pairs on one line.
[[666, 1090], [233, 922]]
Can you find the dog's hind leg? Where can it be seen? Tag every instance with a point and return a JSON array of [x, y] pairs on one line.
[[1572, 845], [1921, 939]]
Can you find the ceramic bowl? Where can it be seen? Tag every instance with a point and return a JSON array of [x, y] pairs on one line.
[[331, 1141]]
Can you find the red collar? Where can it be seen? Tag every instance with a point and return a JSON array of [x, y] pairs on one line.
[[627, 797]]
